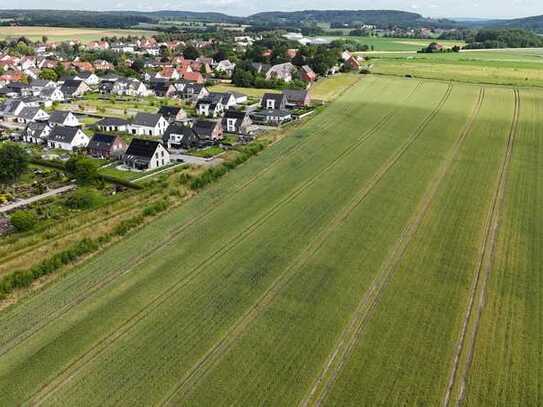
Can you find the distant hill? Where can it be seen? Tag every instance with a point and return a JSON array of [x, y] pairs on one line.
[[529, 23], [381, 18]]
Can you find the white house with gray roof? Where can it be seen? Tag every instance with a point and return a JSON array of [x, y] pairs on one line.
[[67, 138], [148, 124]]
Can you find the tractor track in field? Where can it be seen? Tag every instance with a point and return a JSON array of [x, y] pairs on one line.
[[353, 331], [465, 346], [215, 354], [50, 318], [66, 374]]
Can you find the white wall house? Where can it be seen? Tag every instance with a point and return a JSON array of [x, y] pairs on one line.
[[148, 124], [67, 138]]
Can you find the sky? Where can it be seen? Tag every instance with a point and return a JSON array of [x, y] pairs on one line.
[[428, 8]]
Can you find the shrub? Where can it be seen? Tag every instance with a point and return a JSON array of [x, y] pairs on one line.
[[23, 221], [84, 198]]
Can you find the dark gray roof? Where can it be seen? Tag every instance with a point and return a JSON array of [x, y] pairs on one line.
[[35, 128], [146, 119], [139, 148], [47, 91], [235, 114], [28, 113], [58, 116], [278, 97], [204, 128], [295, 95], [63, 134], [39, 83], [101, 141], [169, 111], [112, 121]]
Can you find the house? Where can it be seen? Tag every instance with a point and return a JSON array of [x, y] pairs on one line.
[[193, 92], [14, 89], [272, 117], [283, 72], [208, 131], [239, 98], [353, 63], [101, 65], [148, 124], [73, 88], [112, 124], [36, 133], [91, 79], [307, 74], [51, 94], [173, 113], [297, 98], [63, 118], [194, 77], [11, 108], [129, 87], [210, 106], [31, 114], [145, 155], [274, 101], [168, 73], [236, 122], [38, 85], [162, 88], [225, 67], [180, 137], [67, 138], [106, 146]]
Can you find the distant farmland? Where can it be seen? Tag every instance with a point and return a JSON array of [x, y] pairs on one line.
[[66, 34], [386, 253]]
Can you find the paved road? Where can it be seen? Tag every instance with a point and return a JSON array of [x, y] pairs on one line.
[[25, 202]]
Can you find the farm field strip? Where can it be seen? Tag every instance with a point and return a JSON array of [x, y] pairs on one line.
[[349, 337], [239, 328], [124, 268], [201, 293], [160, 226], [401, 355], [254, 362], [464, 351], [506, 367], [124, 328]]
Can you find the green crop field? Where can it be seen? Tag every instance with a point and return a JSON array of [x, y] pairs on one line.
[[382, 44], [66, 34], [507, 67], [387, 252]]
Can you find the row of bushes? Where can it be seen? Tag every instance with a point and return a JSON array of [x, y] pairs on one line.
[[214, 173], [24, 278]]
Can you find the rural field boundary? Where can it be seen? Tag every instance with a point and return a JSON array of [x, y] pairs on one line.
[[353, 331], [64, 376], [137, 260], [465, 346], [215, 354]]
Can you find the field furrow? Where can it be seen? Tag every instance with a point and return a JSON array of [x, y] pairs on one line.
[[400, 356]]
